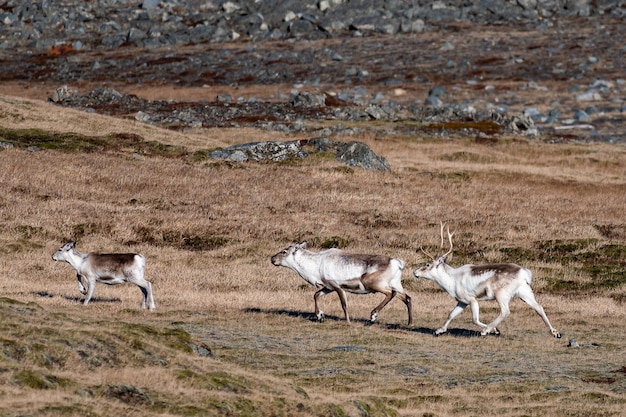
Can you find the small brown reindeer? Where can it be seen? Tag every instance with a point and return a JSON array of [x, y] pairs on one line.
[[109, 268]]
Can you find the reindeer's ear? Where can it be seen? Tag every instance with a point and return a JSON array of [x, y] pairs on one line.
[[73, 243], [444, 259], [302, 245]]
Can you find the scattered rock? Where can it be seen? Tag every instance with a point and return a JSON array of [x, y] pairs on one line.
[[360, 155], [287, 117], [96, 42], [150, 23], [261, 151], [582, 116], [355, 154], [308, 100], [349, 348], [62, 93], [128, 394]]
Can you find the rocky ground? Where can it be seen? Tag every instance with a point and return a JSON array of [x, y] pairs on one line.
[[551, 70]]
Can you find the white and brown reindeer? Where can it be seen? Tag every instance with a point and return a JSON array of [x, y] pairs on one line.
[[470, 284], [334, 270], [108, 268]]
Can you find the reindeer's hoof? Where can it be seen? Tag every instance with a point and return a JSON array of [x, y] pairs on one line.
[[320, 317], [374, 317], [488, 331], [556, 334], [439, 332]]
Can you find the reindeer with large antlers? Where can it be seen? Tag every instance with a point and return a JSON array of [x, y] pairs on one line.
[[470, 284]]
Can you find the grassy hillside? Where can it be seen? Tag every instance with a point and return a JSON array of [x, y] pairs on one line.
[[234, 336]]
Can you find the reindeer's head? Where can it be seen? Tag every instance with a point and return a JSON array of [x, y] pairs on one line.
[[285, 256], [429, 271], [62, 253]]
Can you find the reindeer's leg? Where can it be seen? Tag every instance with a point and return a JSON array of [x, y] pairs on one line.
[[146, 290], [455, 312], [406, 299], [319, 313], [81, 287], [344, 302], [503, 301], [476, 316], [91, 282], [150, 296], [145, 286], [527, 295], [389, 294]]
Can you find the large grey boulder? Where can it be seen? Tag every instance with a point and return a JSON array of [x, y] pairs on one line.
[[355, 154]]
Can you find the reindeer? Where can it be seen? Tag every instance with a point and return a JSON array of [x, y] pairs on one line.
[[470, 284], [334, 270], [109, 268]]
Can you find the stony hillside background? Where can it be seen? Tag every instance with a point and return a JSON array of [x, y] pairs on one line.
[[546, 69]]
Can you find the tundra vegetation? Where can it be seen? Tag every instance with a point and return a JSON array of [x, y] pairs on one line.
[[236, 336]]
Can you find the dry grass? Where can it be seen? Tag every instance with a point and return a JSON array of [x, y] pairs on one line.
[[208, 230]]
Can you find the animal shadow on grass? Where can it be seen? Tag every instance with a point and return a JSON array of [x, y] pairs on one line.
[[311, 317], [428, 331], [463, 333], [304, 315], [94, 299], [46, 294]]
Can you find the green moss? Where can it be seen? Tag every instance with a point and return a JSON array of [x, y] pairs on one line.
[[227, 382], [332, 242], [35, 380], [374, 407], [564, 248], [519, 255], [174, 338], [13, 350], [335, 242], [222, 381], [454, 176], [604, 266], [28, 232], [333, 410], [320, 156], [183, 240], [81, 230], [343, 169], [67, 410], [128, 394], [21, 246], [239, 407], [182, 410], [75, 142], [463, 157], [611, 231], [489, 127]]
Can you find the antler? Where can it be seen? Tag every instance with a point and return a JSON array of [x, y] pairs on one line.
[[443, 225], [432, 258], [449, 239], [441, 232]]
